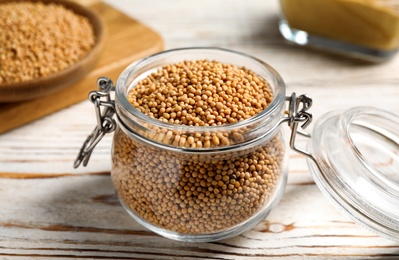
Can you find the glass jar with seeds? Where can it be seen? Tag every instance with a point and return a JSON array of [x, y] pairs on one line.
[[198, 152]]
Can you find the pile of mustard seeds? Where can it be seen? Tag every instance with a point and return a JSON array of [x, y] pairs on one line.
[[201, 93], [38, 40]]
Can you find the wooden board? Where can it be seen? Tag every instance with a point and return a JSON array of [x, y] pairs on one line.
[[126, 41]]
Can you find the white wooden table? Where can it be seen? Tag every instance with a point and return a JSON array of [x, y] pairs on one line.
[[50, 210]]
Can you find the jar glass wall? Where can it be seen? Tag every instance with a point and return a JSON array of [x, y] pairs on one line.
[[191, 191]]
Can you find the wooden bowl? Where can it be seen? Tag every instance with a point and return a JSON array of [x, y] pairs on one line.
[[13, 92]]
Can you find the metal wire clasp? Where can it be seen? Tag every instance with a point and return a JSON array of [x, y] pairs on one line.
[[105, 109], [298, 115]]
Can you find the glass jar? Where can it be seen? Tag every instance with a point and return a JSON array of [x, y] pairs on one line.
[[367, 29], [183, 190], [172, 180]]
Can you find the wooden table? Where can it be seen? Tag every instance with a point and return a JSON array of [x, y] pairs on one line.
[[50, 210]]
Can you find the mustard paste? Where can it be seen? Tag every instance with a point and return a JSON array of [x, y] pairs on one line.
[[369, 23]]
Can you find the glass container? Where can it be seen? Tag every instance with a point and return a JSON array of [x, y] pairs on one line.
[[367, 29], [189, 192]]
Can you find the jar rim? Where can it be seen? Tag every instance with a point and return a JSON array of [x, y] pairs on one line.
[[121, 97]]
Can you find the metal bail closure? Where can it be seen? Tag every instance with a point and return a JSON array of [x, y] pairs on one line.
[[105, 109], [297, 114]]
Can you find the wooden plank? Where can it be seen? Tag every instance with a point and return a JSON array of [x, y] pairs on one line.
[[126, 41], [81, 217]]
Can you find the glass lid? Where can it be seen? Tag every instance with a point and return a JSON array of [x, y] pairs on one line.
[[357, 155]]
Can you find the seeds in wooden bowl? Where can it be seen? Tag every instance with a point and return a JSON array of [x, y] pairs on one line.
[[191, 192], [38, 40]]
